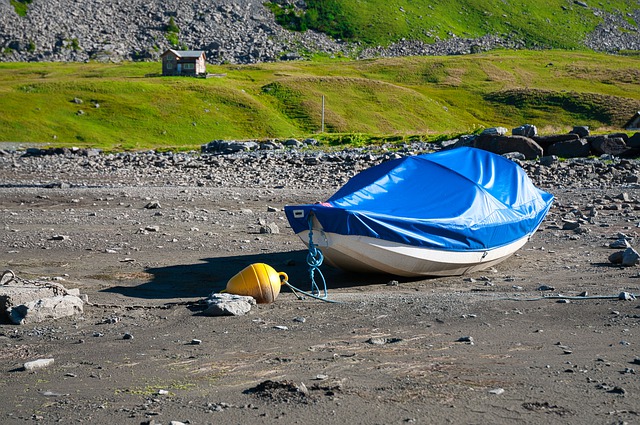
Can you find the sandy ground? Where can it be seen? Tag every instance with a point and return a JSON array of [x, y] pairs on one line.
[[385, 353]]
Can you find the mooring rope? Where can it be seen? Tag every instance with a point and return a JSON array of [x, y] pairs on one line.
[[314, 261], [623, 296]]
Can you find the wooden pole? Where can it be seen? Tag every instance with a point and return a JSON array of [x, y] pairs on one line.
[[322, 114]]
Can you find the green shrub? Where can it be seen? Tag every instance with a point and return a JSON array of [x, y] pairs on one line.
[[172, 33], [20, 6]]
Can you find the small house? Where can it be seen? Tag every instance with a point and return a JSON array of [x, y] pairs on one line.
[[633, 123], [184, 62]]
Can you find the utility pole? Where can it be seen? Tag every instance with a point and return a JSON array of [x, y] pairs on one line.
[[322, 131]]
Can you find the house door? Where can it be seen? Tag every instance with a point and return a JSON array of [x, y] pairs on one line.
[[179, 69]]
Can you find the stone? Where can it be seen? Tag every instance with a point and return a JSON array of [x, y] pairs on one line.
[[15, 295], [626, 296], [222, 304], [38, 364], [630, 257], [606, 145], [46, 309], [581, 131], [570, 224], [494, 131], [467, 339], [548, 160], [506, 144], [616, 257], [526, 130], [546, 141], [621, 243], [271, 228], [570, 149], [634, 141]]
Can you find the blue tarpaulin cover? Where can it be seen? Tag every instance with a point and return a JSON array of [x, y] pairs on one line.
[[458, 200]]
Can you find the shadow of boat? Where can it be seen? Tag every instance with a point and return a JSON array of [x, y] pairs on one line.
[[199, 280]]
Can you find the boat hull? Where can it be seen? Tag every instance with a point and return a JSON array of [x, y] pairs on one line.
[[364, 254]]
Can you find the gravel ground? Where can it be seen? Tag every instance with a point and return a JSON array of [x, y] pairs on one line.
[[146, 240]]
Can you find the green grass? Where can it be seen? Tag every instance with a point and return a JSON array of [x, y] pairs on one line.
[[417, 98], [20, 6], [557, 24]]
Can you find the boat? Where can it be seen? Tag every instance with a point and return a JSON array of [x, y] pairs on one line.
[[438, 214]]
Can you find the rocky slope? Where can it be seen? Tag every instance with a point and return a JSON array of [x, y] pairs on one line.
[[230, 31]]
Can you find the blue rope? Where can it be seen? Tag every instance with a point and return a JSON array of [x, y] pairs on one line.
[[314, 261]]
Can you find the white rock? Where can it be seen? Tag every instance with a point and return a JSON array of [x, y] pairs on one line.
[[228, 305], [38, 364]]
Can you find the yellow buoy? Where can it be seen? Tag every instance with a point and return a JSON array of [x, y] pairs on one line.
[[259, 280]]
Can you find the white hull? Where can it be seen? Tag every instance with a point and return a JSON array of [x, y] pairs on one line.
[[371, 255]]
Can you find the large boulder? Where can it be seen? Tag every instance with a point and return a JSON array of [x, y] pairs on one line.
[[607, 145], [506, 144], [634, 141], [570, 149], [46, 309], [546, 141]]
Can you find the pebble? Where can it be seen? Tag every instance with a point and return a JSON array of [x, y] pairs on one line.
[[468, 339], [497, 391]]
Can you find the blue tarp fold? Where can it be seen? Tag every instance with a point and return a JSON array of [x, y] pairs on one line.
[[460, 199]]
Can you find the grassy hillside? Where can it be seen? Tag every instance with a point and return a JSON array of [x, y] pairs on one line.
[[124, 108], [552, 23]]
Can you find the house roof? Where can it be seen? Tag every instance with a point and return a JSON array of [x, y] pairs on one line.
[[185, 53], [634, 122]]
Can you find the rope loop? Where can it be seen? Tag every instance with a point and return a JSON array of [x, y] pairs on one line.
[[314, 261]]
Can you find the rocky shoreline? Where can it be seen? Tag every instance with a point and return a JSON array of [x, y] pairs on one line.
[[276, 165]]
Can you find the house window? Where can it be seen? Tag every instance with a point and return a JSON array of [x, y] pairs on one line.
[[169, 65], [189, 66]]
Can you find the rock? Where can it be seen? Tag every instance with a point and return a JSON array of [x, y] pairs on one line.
[[570, 149], [546, 141], [153, 205], [606, 145], [505, 144], [634, 141], [546, 288], [46, 309], [271, 228], [548, 160], [626, 296], [222, 304], [581, 130], [616, 257], [570, 225], [228, 147], [527, 130], [38, 364], [494, 131], [630, 257], [15, 295]]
